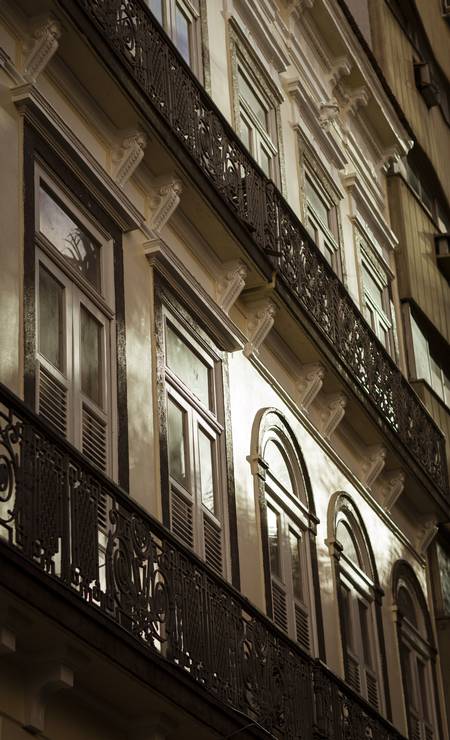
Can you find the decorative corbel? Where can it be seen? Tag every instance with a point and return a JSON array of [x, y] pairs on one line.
[[7, 641], [231, 283], [426, 535], [128, 156], [164, 198], [373, 464], [45, 681], [41, 47], [329, 112], [260, 323], [392, 489], [332, 412], [309, 383], [356, 99], [341, 67]]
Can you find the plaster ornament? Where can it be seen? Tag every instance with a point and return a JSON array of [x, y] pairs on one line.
[[46, 679], [128, 156], [356, 99], [259, 325], [392, 489], [341, 67], [334, 405], [164, 199], [231, 284], [309, 383], [373, 464], [41, 48], [329, 112], [426, 536]]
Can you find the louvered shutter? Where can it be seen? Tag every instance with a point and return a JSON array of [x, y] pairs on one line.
[[52, 393], [279, 605], [302, 626], [372, 688], [181, 516], [212, 535]]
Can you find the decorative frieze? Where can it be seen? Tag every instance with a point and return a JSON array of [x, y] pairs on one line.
[[392, 488], [128, 156], [41, 48], [373, 464], [332, 412], [231, 284], [262, 319], [164, 198], [309, 383]]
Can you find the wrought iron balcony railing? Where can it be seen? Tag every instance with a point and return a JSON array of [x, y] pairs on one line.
[[139, 42], [69, 521]]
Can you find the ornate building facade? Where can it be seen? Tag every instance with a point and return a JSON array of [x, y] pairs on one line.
[[224, 373]]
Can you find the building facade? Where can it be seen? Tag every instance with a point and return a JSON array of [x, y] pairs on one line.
[[224, 373]]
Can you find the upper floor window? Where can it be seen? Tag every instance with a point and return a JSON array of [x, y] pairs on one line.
[[376, 296], [322, 220], [181, 21], [257, 123], [195, 440], [357, 604], [287, 525], [416, 652], [75, 311], [424, 364]]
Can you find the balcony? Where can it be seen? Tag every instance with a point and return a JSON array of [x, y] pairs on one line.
[[64, 521], [125, 33]]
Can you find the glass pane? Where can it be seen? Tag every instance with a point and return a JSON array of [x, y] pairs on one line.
[[70, 239], [252, 100], [182, 41], [421, 352], [296, 564], [447, 389], [406, 605], [436, 378], [345, 538], [373, 288], [347, 617], [264, 161], [443, 557], [187, 365], [365, 633], [176, 432], [205, 448], [315, 201], [246, 134], [91, 356], [273, 530], [408, 660], [383, 335], [51, 297], [277, 465], [156, 8], [422, 671]]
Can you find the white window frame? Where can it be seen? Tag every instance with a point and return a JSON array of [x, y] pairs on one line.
[[293, 515], [259, 137], [192, 14], [78, 291], [211, 422], [326, 240], [359, 589], [379, 320]]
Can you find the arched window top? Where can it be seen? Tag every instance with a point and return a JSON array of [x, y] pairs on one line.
[[278, 466], [406, 605], [275, 445], [346, 539], [410, 600]]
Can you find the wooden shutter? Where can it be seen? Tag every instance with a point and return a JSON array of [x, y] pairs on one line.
[[181, 517], [212, 534], [52, 399]]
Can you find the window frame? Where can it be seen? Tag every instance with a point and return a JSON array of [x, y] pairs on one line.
[[371, 261], [192, 12], [84, 197], [324, 237], [215, 421]]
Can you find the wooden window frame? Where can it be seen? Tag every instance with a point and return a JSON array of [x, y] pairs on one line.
[[79, 192]]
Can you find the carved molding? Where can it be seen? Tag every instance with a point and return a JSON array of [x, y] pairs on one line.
[[373, 464], [341, 67], [45, 681], [231, 283], [329, 112], [392, 488], [426, 535], [356, 99], [163, 200], [332, 413], [259, 324], [41, 48], [128, 156], [309, 383]]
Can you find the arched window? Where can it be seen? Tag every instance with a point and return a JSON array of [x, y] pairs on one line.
[[288, 528], [417, 653], [359, 599]]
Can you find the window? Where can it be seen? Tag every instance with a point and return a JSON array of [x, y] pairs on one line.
[[424, 365], [195, 440], [322, 221], [180, 19], [416, 652], [376, 299], [74, 319], [356, 584], [286, 532], [257, 124]]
